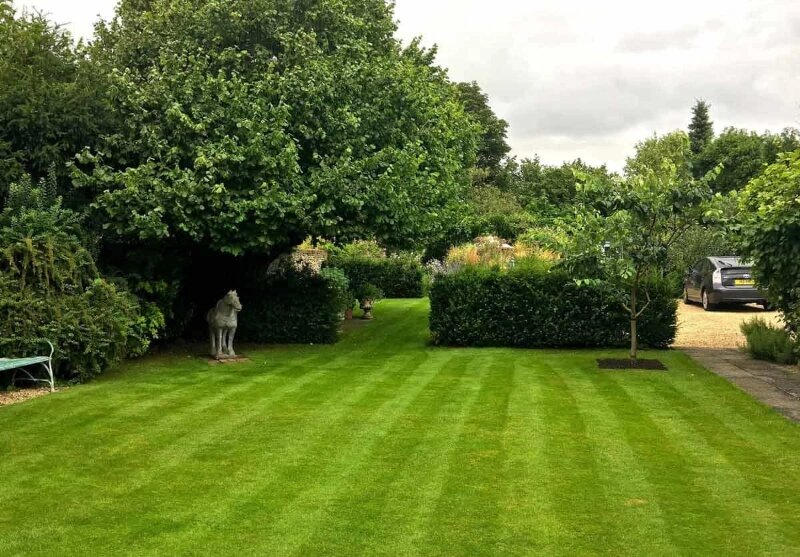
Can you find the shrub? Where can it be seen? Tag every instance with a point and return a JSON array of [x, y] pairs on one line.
[[767, 342], [50, 289], [340, 285], [91, 328], [532, 308], [395, 277], [291, 306], [368, 291], [552, 238]]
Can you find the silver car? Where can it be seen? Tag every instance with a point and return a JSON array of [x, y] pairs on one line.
[[722, 280]]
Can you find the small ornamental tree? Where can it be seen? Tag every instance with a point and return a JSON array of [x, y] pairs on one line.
[[770, 233], [626, 226]]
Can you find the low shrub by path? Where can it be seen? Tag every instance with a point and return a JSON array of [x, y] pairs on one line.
[[383, 444]]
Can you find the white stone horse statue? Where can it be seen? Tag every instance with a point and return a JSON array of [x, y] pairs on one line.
[[222, 325]]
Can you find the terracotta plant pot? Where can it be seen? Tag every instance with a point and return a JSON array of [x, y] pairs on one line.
[[348, 314]]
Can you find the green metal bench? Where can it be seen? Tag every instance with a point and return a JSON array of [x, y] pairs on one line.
[[20, 365]]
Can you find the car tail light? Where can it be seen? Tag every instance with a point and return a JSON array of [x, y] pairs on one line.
[[716, 277]]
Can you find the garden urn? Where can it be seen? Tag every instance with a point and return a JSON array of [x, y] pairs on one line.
[[366, 306]]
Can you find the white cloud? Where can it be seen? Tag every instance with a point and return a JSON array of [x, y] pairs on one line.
[[585, 79]]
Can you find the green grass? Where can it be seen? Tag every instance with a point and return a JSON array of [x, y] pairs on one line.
[[384, 445]]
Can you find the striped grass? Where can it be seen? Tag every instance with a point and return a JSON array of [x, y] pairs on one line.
[[383, 445]]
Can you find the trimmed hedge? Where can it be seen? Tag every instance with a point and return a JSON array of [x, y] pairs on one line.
[[536, 309], [290, 307], [396, 277]]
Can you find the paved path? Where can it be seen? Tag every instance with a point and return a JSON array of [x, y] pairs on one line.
[[775, 385]]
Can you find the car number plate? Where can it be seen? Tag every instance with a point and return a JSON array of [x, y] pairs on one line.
[[744, 282]]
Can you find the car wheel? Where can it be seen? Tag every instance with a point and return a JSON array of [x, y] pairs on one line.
[[686, 296], [707, 305]]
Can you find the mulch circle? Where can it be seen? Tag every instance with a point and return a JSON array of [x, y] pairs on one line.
[[645, 365]]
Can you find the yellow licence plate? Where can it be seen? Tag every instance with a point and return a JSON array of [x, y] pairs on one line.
[[744, 282]]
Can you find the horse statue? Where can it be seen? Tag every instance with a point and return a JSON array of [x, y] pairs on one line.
[[222, 325]]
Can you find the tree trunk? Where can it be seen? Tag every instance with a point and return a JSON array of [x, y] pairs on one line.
[[634, 332]]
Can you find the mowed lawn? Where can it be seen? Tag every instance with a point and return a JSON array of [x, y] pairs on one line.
[[383, 445]]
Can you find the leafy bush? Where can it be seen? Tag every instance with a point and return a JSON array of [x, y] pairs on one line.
[[538, 309], [339, 283], [767, 342], [368, 291], [50, 289], [770, 233], [91, 328], [546, 237], [395, 277], [291, 306]]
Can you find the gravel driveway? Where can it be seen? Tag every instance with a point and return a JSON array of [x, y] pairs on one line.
[[716, 329]]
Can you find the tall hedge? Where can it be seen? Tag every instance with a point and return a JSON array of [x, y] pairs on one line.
[[396, 277], [537, 309], [290, 307]]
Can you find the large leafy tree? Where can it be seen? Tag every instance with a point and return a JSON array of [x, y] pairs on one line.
[[251, 124], [770, 232], [549, 191], [652, 153], [701, 128], [743, 155], [493, 146], [52, 102]]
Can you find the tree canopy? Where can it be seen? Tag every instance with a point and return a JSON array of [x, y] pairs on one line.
[[669, 152], [52, 102], [248, 125], [770, 232], [492, 147], [743, 154]]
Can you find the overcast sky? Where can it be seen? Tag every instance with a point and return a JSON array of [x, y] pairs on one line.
[[577, 78]]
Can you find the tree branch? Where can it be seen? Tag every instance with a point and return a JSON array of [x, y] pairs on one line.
[[644, 307]]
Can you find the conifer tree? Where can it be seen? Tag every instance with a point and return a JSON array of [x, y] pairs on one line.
[[701, 128]]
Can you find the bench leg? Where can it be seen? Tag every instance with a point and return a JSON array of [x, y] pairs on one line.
[[50, 380]]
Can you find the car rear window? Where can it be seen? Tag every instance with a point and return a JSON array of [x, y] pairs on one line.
[[723, 262]]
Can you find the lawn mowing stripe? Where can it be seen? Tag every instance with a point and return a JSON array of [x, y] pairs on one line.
[[671, 467], [749, 471], [465, 520], [302, 447], [528, 519], [632, 509], [294, 509], [575, 489], [389, 499]]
